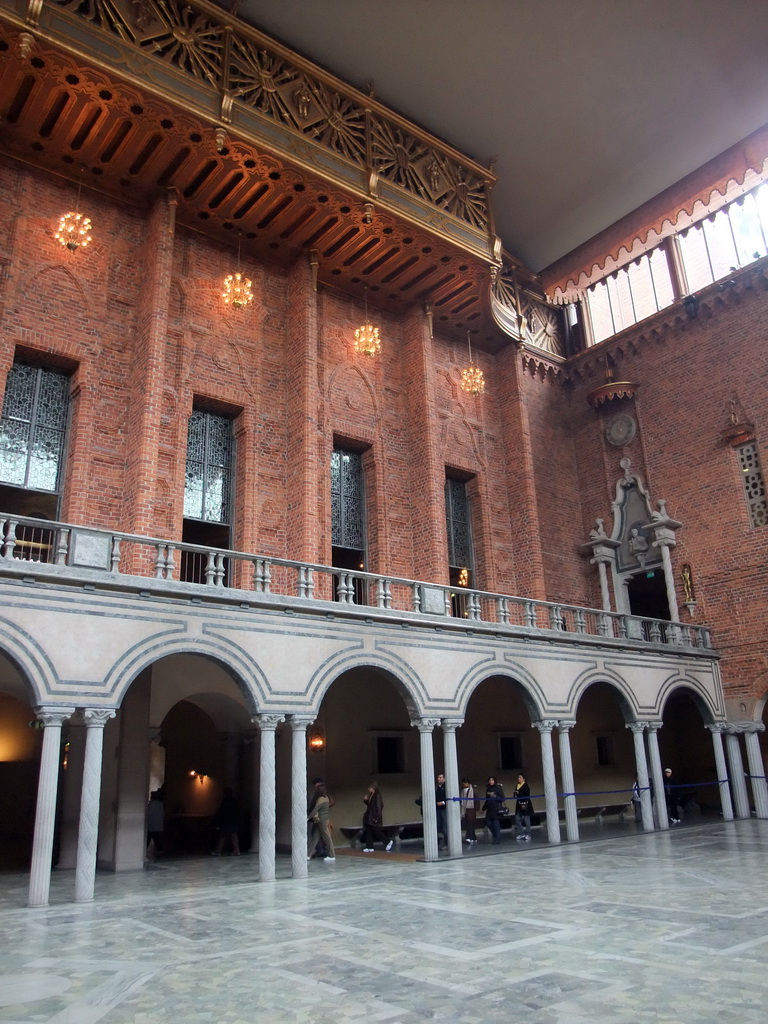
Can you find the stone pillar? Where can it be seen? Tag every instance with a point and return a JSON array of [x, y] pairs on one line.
[[605, 594], [428, 809], [299, 725], [45, 815], [566, 770], [717, 730], [254, 743], [657, 776], [130, 847], [736, 765], [637, 729], [71, 785], [756, 768], [664, 529], [452, 788], [550, 784], [603, 555], [88, 832], [267, 812]]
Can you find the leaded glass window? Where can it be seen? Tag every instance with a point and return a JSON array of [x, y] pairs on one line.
[[33, 427], [458, 525], [347, 500], [754, 484], [208, 487]]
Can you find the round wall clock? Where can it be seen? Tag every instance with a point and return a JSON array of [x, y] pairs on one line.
[[621, 430]]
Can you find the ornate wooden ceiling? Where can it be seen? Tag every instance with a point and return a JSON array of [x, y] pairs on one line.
[[410, 223]]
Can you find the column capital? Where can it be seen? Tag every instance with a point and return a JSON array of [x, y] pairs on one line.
[[565, 724], [299, 722], [654, 725], [97, 717], [51, 715], [636, 727], [451, 724], [267, 723], [425, 724], [545, 725], [720, 727], [749, 727]]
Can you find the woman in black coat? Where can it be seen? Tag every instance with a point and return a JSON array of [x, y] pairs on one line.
[[494, 798], [373, 819], [523, 809]]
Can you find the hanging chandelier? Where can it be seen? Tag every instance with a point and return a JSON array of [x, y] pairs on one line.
[[237, 287], [74, 231], [367, 340], [472, 378]]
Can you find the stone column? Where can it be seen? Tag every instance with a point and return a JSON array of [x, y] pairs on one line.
[[428, 809], [638, 728], [299, 725], [603, 555], [69, 802], [88, 832], [566, 770], [756, 768], [550, 784], [657, 776], [267, 821], [452, 788], [664, 529], [717, 730], [45, 815], [736, 766], [254, 743]]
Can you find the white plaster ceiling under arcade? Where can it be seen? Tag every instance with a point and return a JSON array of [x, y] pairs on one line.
[[200, 681], [12, 682], [591, 107]]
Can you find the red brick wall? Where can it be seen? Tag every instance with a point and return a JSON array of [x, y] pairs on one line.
[[139, 320], [687, 371]]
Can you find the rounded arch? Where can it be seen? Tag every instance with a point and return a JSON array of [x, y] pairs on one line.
[[401, 675], [246, 674], [616, 682], [35, 668], [761, 687], [674, 684], [532, 694]]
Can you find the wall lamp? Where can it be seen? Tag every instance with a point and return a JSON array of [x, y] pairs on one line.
[[316, 740], [200, 776]]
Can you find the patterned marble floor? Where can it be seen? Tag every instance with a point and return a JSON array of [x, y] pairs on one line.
[[668, 928]]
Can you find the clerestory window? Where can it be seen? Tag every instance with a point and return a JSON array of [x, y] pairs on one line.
[[754, 483]]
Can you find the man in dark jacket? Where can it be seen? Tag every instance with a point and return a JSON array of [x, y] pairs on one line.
[[441, 805]]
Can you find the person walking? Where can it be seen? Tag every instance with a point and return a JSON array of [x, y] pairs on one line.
[[373, 820], [470, 814], [440, 806], [226, 822], [155, 821], [494, 798], [637, 801], [523, 809], [321, 817], [671, 798]]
